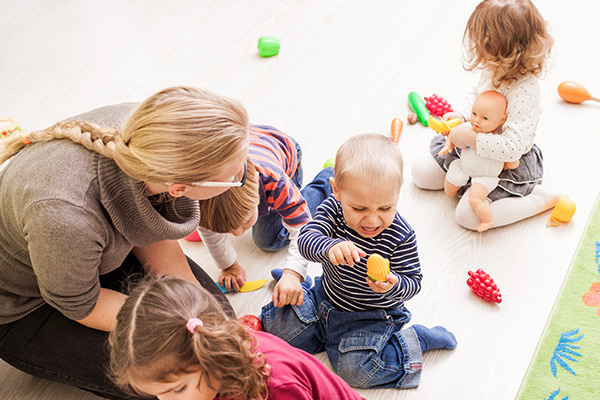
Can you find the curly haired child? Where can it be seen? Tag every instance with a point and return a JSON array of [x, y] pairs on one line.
[[173, 341], [507, 40]]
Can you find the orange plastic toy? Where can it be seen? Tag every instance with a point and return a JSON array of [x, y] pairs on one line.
[[574, 92], [563, 211], [396, 130]]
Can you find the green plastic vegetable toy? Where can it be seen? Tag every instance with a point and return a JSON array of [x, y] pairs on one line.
[[417, 104], [268, 46]]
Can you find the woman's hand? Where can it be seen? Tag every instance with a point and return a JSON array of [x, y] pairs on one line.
[[233, 276]]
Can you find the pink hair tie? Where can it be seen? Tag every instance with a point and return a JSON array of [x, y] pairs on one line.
[[193, 323]]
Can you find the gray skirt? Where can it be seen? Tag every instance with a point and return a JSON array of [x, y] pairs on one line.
[[513, 182]]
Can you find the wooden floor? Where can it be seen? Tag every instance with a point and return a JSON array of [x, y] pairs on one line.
[[345, 67]]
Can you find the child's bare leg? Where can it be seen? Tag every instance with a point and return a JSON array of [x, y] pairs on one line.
[[450, 189], [477, 196]]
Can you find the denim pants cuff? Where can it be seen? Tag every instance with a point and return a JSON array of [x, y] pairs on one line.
[[413, 358]]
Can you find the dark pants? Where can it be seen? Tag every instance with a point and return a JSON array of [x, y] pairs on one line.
[[46, 344]]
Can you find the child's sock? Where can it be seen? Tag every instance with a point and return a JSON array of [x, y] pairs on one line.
[[437, 337], [278, 272]]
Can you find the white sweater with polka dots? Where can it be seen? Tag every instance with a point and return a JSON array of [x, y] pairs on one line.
[[523, 113]]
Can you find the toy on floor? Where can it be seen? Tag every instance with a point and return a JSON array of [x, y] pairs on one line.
[[563, 211], [441, 126], [8, 126], [482, 284], [417, 104], [396, 130], [193, 237], [329, 163], [437, 105], [412, 118], [251, 322], [268, 46], [378, 268], [574, 92], [249, 286]]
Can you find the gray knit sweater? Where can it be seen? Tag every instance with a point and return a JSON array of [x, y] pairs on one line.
[[68, 215]]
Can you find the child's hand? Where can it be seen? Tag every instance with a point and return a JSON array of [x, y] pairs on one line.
[[383, 287], [345, 253], [233, 276], [288, 290], [453, 114]]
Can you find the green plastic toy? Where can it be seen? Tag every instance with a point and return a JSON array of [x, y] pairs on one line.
[[417, 104], [268, 46]]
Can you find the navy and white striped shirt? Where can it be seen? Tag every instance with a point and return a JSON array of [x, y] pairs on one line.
[[345, 286]]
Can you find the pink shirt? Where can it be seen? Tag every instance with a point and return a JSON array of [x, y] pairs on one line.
[[299, 375]]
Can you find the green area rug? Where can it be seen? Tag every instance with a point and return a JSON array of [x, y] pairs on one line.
[[566, 363]]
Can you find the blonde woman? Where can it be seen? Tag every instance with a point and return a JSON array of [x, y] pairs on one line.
[[86, 206]]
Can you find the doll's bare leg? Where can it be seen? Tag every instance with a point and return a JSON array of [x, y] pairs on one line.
[[508, 210], [427, 174], [477, 196], [448, 147], [450, 189]]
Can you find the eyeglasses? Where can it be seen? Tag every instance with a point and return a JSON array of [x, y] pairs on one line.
[[239, 183]]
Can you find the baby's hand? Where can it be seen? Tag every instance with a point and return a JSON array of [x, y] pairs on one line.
[[383, 287], [345, 253], [288, 290], [233, 276]]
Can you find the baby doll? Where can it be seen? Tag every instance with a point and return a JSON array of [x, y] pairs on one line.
[[487, 116]]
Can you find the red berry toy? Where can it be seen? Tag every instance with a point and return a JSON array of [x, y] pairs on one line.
[[251, 322], [483, 286], [437, 105]]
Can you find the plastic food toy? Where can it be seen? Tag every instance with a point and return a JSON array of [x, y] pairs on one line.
[[378, 268], [268, 46], [437, 105], [441, 126], [484, 286], [412, 118], [9, 126], [563, 211], [417, 104], [249, 286], [251, 322], [193, 237], [574, 92], [329, 163], [396, 130]]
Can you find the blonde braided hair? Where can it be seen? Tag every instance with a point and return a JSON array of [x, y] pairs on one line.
[[180, 134]]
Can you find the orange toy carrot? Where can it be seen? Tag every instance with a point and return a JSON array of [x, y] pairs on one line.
[[574, 92], [397, 125]]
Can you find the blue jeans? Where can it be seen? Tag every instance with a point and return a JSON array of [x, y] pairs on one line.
[[368, 349], [268, 232]]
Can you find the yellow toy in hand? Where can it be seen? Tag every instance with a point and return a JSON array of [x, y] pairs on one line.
[[378, 268]]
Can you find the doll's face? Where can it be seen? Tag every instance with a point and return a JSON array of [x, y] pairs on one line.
[[487, 114]]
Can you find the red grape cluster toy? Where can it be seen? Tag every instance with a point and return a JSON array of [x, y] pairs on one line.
[[482, 284], [437, 105]]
